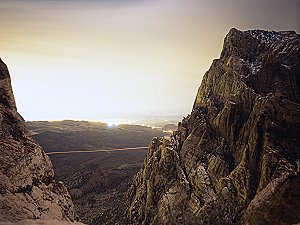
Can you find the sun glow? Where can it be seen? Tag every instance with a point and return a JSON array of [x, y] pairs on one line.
[[120, 58]]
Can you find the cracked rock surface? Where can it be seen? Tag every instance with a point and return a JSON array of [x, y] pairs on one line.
[[235, 159], [27, 186]]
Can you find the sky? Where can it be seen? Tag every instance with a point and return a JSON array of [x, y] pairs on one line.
[[121, 59]]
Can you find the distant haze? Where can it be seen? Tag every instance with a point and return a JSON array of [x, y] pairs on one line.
[[121, 58]]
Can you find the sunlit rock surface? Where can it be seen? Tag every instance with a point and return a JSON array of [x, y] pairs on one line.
[[235, 158], [27, 187]]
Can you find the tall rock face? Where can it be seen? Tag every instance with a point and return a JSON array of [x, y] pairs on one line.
[[27, 187], [235, 159]]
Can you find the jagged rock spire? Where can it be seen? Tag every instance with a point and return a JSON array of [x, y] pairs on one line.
[[235, 159]]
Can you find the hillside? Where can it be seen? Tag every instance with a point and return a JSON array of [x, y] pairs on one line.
[[235, 159]]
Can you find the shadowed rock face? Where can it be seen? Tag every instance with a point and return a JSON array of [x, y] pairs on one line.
[[27, 187], [235, 159]]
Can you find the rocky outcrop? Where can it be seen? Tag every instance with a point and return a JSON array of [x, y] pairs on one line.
[[27, 186], [235, 159]]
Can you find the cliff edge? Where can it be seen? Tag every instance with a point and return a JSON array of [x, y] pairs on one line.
[[27, 186], [235, 159]]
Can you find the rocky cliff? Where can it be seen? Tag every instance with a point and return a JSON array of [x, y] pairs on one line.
[[27, 186], [235, 158]]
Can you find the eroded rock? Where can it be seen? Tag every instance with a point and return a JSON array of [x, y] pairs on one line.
[[235, 158], [27, 186]]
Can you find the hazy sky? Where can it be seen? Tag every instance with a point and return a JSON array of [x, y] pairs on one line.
[[121, 58]]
